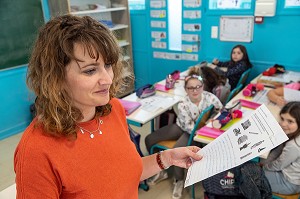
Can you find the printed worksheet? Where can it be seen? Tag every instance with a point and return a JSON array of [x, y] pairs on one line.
[[291, 95], [252, 136]]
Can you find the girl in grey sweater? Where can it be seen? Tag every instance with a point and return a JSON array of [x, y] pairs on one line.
[[282, 168]]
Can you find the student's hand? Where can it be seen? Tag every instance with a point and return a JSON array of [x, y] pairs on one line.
[[215, 61], [181, 156], [280, 101]]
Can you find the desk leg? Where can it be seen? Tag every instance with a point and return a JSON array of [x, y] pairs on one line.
[[152, 125]]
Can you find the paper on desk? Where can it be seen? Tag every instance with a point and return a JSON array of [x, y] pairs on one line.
[[154, 103], [254, 135], [291, 95]]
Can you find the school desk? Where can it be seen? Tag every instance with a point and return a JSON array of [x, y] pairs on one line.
[[152, 107], [9, 192], [277, 80]]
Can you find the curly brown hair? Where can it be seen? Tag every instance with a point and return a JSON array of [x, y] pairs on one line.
[[52, 52]]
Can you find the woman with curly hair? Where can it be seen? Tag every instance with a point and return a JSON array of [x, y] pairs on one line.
[[78, 145]]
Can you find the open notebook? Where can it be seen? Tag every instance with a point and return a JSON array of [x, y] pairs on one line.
[[130, 106]]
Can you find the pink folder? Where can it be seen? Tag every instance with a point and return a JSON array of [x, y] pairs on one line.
[[209, 132], [130, 106]]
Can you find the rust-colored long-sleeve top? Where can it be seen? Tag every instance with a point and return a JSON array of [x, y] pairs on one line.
[[107, 166]]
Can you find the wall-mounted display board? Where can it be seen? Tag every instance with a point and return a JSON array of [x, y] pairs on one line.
[[292, 4], [236, 28], [19, 22]]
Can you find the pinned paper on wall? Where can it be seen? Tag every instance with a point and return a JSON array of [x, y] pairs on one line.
[[173, 56], [157, 44], [165, 55], [189, 57], [192, 27], [229, 4], [192, 3], [236, 28], [190, 37], [291, 3], [189, 48], [158, 34], [157, 4], [158, 24], [192, 14], [158, 13]]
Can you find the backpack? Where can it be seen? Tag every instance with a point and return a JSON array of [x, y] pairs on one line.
[[244, 181], [222, 91], [224, 184]]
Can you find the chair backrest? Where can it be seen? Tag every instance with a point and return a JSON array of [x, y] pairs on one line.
[[244, 77], [233, 93], [200, 122]]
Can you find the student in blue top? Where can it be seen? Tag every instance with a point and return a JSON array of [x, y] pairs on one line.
[[238, 64]]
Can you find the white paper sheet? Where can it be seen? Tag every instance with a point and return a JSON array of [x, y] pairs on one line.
[[291, 95], [247, 139]]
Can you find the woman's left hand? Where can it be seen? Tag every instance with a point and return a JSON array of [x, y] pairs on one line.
[[181, 156]]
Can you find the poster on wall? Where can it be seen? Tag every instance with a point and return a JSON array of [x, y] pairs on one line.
[[158, 44], [189, 48], [292, 4], [229, 4], [190, 37], [236, 28], [192, 14], [158, 24], [189, 57], [192, 3], [192, 27], [158, 13], [157, 4], [158, 34]]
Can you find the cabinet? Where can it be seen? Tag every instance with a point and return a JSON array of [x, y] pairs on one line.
[[115, 14]]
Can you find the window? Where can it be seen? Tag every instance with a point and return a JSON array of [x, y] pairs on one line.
[[174, 24], [136, 4]]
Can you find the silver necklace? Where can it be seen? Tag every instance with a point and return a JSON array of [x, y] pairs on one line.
[[82, 130]]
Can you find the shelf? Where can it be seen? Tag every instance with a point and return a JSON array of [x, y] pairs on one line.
[[119, 26], [126, 58], [98, 11], [114, 14], [123, 43]]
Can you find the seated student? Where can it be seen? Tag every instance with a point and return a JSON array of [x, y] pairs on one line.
[[282, 168], [276, 95], [213, 81], [238, 64], [188, 111]]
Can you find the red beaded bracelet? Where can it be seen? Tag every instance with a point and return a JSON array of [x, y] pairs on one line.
[[159, 162]]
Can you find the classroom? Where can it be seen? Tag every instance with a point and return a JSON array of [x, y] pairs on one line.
[[194, 68]]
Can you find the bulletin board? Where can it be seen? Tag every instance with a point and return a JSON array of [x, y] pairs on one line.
[[236, 28]]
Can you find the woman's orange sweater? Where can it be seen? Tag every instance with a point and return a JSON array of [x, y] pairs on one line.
[[107, 166]]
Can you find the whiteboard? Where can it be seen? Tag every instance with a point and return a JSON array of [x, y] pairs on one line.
[[236, 28]]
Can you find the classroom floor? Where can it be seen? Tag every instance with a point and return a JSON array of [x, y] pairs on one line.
[[163, 190]]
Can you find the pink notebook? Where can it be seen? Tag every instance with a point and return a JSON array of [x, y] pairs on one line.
[[210, 132], [249, 104], [130, 106]]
